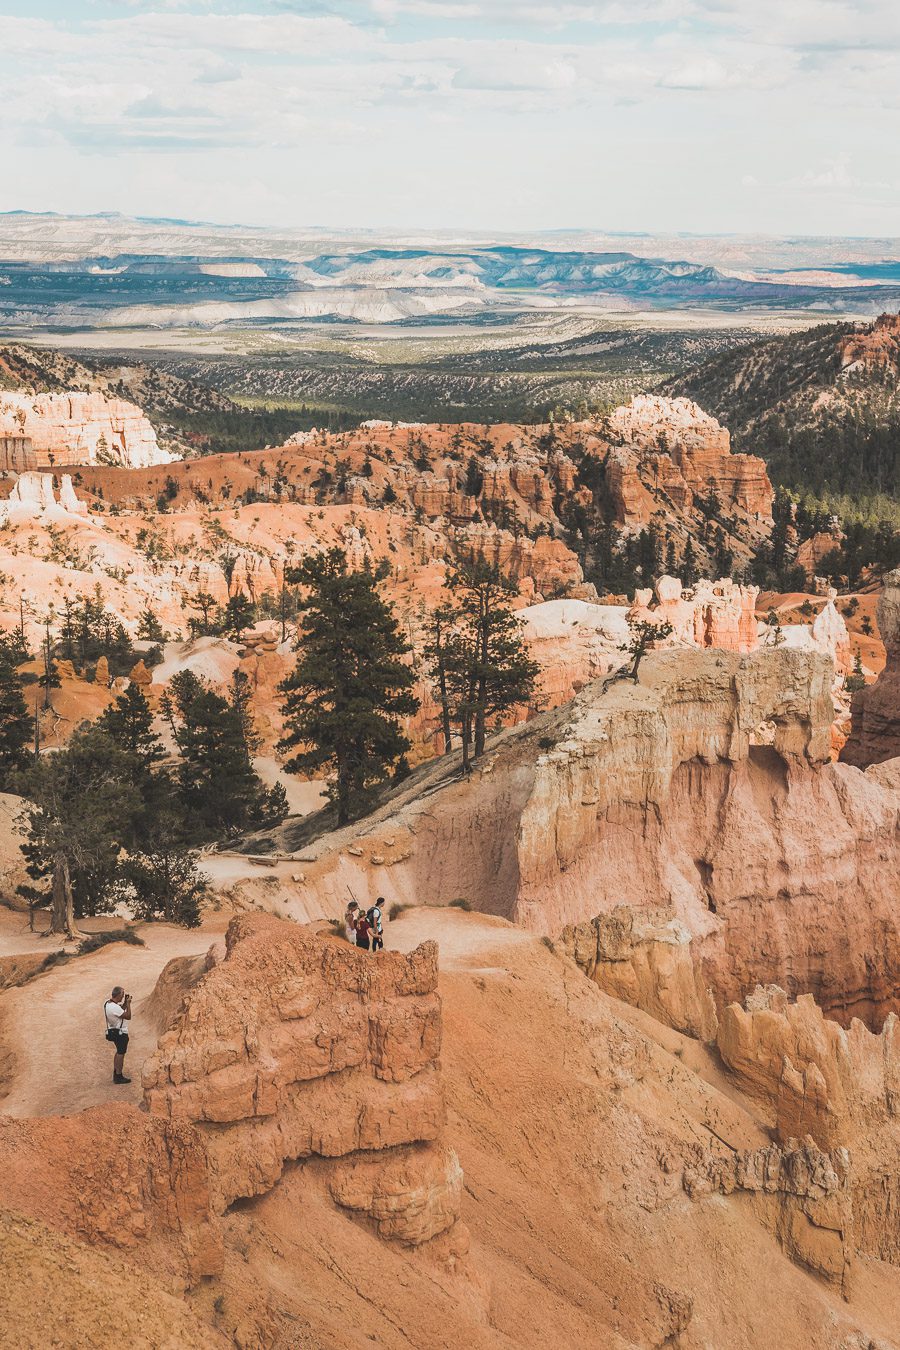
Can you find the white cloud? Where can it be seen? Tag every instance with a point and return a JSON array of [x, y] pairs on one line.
[[610, 100]]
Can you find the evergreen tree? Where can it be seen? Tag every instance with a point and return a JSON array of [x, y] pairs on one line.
[[207, 624], [474, 478], [237, 615], [242, 702], [164, 882], [689, 563], [438, 655], [350, 687], [488, 668], [645, 634], [217, 784], [49, 676], [15, 719], [82, 801], [857, 680], [129, 724], [13, 647], [149, 627]]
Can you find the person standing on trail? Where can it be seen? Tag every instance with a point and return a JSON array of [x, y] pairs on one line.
[[377, 923], [350, 917], [363, 932], [117, 1011]]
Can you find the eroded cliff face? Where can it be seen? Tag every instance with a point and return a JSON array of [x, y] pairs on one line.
[[296, 1046], [115, 1177], [671, 445], [875, 716], [82, 428], [702, 799]]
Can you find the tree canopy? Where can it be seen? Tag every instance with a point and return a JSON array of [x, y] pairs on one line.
[[351, 685]]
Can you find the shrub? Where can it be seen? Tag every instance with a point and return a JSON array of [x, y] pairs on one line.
[[95, 941], [461, 904]]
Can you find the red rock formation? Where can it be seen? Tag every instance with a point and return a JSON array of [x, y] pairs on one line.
[[704, 795], [297, 1045], [811, 552], [118, 1177], [875, 712], [875, 345], [674, 447]]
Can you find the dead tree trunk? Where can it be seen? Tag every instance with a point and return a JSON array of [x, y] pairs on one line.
[[62, 910]]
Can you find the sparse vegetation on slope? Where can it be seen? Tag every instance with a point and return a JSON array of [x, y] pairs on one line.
[[824, 416]]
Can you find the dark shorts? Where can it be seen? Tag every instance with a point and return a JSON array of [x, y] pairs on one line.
[[119, 1040]]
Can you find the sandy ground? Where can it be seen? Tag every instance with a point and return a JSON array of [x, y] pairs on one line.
[[53, 1027]]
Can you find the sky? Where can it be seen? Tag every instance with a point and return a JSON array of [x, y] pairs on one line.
[[705, 116]]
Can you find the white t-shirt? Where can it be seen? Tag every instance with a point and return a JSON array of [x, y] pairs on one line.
[[115, 1016]]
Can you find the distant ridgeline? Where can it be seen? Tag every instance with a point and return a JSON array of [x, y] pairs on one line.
[[822, 407]]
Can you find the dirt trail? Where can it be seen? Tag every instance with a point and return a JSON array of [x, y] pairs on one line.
[[53, 1027], [466, 941]]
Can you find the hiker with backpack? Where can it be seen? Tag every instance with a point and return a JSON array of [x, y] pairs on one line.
[[117, 1011], [377, 924]]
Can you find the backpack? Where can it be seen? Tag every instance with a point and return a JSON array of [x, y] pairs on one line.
[[374, 917]]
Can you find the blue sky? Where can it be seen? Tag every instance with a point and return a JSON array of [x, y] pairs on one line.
[[779, 116]]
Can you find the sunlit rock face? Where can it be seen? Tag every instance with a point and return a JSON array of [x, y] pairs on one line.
[[82, 428]]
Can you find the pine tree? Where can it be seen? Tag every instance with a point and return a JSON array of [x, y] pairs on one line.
[[241, 698], [129, 724], [15, 719], [238, 614], [689, 564], [645, 634], [207, 624], [350, 687], [49, 676], [488, 667], [437, 655], [149, 627], [82, 803], [164, 882], [474, 478], [217, 784]]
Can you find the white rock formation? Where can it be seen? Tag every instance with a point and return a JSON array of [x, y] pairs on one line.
[[32, 498], [67, 499], [81, 428], [710, 614], [830, 634], [655, 423]]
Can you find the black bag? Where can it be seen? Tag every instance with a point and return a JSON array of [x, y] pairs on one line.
[[374, 917], [111, 1034]]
